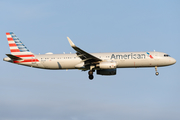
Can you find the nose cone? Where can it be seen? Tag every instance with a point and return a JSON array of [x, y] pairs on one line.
[[173, 61]]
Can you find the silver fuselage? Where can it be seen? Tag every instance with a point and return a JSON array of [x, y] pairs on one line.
[[122, 59]]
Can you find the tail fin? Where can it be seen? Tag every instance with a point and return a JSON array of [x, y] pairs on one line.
[[15, 45], [19, 52]]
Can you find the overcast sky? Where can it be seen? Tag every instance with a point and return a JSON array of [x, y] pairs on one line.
[[95, 26]]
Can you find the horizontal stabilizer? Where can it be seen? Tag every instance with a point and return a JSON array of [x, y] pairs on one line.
[[14, 57]]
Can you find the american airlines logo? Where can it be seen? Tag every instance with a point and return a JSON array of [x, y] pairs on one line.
[[128, 56], [150, 55]]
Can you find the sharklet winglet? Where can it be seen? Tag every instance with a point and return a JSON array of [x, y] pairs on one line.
[[70, 42]]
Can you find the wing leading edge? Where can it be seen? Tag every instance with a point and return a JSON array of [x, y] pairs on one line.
[[86, 57]]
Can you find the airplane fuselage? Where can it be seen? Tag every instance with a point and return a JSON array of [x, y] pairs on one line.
[[122, 59]]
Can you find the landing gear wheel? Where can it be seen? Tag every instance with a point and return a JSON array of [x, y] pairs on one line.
[[91, 77], [157, 73], [90, 72]]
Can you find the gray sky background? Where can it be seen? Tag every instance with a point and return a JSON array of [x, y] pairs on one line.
[[95, 26]]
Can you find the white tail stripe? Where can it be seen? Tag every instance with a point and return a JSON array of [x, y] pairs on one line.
[[11, 42], [8, 36], [22, 53], [13, 48]]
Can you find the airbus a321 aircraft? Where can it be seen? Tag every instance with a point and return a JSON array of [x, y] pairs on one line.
[[102, 63]]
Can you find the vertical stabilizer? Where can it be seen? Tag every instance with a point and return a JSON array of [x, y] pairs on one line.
[[19, 50], [15, 45]]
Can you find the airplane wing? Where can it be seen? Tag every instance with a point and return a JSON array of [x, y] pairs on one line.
[[86, 57]]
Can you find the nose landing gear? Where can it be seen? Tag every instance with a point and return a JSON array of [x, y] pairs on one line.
[[157, 73]]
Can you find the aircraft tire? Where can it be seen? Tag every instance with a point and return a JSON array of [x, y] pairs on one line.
[[157, 73], [91, 77]]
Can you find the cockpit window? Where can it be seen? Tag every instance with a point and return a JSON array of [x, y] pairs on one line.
[[166, 55]]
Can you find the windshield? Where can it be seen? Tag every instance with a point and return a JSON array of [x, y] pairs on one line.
[[166, 55]]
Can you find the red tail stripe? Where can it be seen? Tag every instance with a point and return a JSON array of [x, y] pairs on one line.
[[15, 50], [28, 60], [24, 55], [10, 39], [12, 45], [7, 33]]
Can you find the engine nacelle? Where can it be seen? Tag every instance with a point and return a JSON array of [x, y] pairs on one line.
[[107, 65], [106, 72]]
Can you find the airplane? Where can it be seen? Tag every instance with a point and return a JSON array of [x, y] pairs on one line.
[[102, 63]]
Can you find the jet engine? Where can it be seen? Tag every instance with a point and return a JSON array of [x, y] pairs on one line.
[[107, 65], [106, 72]]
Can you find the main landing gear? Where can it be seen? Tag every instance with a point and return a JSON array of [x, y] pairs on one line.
[[157, 73], [91, 72]]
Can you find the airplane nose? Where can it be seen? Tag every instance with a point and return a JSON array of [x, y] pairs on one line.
[[173, 61]]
